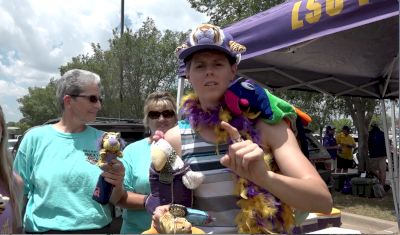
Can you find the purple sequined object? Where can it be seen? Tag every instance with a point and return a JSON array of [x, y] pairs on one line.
[[260, 221], [197, 117], [192, 111], [251, 191]]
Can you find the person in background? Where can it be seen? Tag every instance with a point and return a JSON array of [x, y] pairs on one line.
[[345, 152], [10, 186], [218, 150], [159, 114], [329, 142], [377, 154], [57, 163]]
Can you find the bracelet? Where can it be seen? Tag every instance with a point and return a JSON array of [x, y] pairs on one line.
[[144, 200]]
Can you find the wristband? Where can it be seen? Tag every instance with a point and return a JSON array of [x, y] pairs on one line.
[[144, 200]]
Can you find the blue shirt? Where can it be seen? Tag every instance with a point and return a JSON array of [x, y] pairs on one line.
[[137, 162], [328, 141], [376, 143], [60, 174]]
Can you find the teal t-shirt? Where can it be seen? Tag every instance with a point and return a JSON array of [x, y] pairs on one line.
[[137, 162], [60, 173]]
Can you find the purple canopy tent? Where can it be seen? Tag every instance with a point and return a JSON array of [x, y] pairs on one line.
[[347, 50], [336, 47]]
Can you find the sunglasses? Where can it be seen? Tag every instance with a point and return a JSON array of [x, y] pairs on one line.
[[91, 98], [165, 114]]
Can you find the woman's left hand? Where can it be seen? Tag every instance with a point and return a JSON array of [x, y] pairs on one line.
[[244, 157], [114, 173]]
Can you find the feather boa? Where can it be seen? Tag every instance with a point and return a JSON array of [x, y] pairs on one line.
[[260, 211]]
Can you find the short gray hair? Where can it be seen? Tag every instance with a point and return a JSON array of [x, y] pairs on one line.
[[73, 82]]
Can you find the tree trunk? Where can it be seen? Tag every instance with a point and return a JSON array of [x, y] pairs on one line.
[[361, 113]]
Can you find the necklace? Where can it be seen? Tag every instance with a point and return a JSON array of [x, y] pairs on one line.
[[261, 211], [199, 118]]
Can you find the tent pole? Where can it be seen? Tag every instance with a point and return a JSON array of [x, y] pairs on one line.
[[181, 83], [394, 143], [394, 184], [398, 178], [395, 154]]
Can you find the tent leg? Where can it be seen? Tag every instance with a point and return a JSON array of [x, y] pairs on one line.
[[397, 192], [394, 178], [395, 154], [181, 83]]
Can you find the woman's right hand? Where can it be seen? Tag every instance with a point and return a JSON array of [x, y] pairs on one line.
[[158, 212]]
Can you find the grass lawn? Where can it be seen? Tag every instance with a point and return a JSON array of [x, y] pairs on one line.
[[381, 208]]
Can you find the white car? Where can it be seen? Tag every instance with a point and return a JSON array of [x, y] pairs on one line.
[[11, 144]]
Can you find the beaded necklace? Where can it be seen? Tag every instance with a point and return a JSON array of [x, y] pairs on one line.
[[261, 211], [198, 118]]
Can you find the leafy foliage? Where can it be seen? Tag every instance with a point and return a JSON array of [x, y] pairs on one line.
[[39, 105], [361, 110], [225, 12], [136, 64], [322, 108], [339, 123]]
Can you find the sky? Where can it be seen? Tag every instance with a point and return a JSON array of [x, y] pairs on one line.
[[38, 36]]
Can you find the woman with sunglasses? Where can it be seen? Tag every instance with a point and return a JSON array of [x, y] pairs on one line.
[[58, 164], [159, 114]]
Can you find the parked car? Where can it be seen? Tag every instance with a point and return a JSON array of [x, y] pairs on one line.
[[317, 152], [11, 144], [320, 158], [130, 129]]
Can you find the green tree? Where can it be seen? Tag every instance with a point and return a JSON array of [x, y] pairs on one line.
[[22, 126], [39, 105], [148, 64], [339, 123], [11, 124], [377, 118], [225, 12], [320, 107], [361, 110]]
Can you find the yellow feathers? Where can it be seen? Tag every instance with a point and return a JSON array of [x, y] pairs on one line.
[[261, 212], [190, 96]]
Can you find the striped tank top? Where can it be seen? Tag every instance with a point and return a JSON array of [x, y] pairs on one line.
[[215, 194]]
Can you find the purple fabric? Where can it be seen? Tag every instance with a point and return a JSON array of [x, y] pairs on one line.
[[272, 29], [329, 141], [161, 193], [205, 40], [6, 217], [110, 156]]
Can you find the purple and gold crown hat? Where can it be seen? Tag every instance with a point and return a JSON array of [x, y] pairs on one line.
[[210, 37]]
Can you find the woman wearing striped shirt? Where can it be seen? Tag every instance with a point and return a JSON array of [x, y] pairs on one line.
[[211, 58]]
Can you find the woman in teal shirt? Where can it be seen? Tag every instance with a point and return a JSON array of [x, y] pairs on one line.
[[57, 163], [159, 114]]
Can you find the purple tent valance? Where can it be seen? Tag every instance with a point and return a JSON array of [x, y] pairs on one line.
[[298, 21]]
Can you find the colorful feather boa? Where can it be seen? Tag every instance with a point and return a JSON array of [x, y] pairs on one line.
[[261, 211]]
